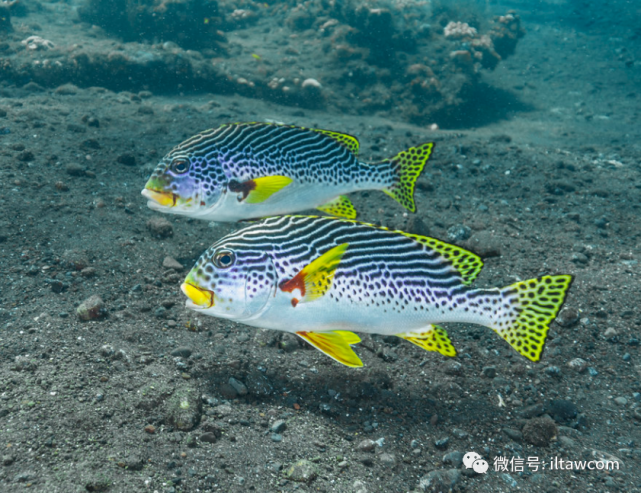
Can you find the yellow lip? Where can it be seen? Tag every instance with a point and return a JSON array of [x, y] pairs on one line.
[[199, 296], [167, 199]]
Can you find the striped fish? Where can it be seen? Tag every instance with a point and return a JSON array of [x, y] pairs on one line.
[[250, 170], [325, 278]]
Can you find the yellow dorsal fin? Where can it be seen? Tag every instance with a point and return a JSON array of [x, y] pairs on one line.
[[432, 338], [316, 278], [468, 264], [341, 206], [336, 345], [260, 189], [346, 140]]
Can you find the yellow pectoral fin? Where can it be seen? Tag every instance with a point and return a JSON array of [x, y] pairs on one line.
[[316, 279], [341, 206], [432, 338], [336, 345], [265, 187]]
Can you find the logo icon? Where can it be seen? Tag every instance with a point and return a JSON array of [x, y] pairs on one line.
[[472, 460]]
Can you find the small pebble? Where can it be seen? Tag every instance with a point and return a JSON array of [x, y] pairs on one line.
[[172, 263], [160, 227], [579, 365], [442, 443], [621, 401], [91, 309], [454, 458], [366, 446], [182, 352], [279, 426], [489, 371], [568, 317], [238, 386], [553, 371], [459, 233]]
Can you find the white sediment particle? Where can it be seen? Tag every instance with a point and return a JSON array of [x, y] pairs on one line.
[[311, 83], [37, 43]]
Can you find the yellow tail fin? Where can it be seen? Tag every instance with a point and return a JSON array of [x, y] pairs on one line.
[[408, 166], [535, 304]]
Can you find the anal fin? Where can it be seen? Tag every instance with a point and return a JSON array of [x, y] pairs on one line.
[[335, 344], [432, 338], [341, 206]]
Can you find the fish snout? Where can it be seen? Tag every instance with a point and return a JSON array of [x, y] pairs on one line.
[[198, 297], [162, 198]]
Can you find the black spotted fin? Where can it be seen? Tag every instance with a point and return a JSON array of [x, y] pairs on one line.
[[259, 189], [407, 165], [533, 305], [348, 141], [335, 344], [432, 338], [314, 280], [468, 264], [341, 206]]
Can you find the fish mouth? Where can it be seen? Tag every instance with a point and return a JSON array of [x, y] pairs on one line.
[[198, 298], [160, 197]]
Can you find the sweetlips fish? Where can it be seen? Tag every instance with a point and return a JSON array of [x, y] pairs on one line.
[[250, 170], [324, 279]]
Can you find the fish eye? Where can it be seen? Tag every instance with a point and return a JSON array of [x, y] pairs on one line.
[[180, 166], [224, 259]]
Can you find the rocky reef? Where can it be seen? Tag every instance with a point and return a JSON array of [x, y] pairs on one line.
[[416, 61], [190, 23]]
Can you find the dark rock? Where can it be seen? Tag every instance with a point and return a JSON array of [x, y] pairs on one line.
[[442, 443], [182, 352], [514, 434], [531, 411], [289, 342], [489, 371], [279, 426], [484, 244], [302, 471], [562, 410], [440, 481], [366, 445], [454, 459], [540, 431], [127, 159], [238, 386], [257, 383], [91, 309], [26, 156], [74, 169], [208, 438], [160, 227], [567, 317], [183, 409], [459, 233], [453, 368]]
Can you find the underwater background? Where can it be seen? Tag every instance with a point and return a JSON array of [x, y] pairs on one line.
[[108, 383]]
